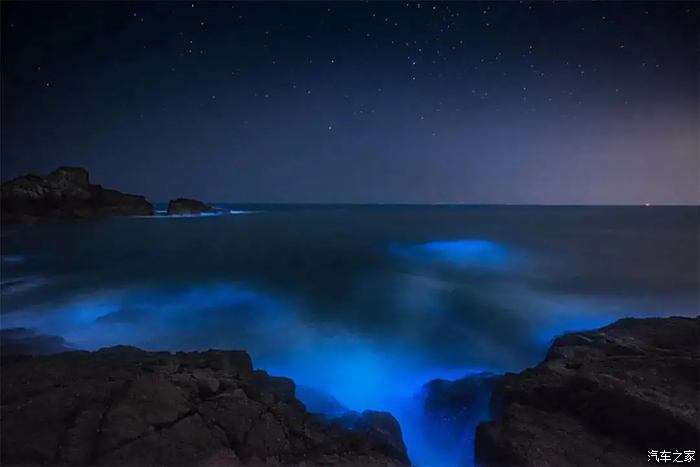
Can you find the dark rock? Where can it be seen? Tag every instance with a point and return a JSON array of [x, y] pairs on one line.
[[382, 430], [65, 193], [115, 203], [126, 406], [182, 206], [267, 388], [602, 397]]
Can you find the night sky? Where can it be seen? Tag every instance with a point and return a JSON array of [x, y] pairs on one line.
[[420, 102]]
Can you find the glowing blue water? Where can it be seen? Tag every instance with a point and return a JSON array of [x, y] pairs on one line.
[[364, 305], [467, 253]]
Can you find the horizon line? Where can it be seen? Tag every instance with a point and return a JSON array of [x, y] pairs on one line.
[[288, 203]]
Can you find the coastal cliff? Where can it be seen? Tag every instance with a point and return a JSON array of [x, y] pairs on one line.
[[65, 193], [603, 397], [125, 406]]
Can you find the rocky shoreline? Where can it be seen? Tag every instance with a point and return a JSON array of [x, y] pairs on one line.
[[126, 406], [603, 397]]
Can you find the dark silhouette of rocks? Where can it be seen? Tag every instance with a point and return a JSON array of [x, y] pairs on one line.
[[126, 406], [65, 193], [603, 397], [183, 206]]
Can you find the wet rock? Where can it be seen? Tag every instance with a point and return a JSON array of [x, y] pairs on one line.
[[182, 206], [270, 389], [126, 406], [602, 397], [65, 193]]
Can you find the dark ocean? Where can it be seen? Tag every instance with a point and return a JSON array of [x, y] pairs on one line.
[[361, 303]]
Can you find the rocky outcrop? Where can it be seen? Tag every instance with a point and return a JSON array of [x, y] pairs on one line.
[[603, 397], [382, 427], [183, 206], [125, 406], [65, 193]]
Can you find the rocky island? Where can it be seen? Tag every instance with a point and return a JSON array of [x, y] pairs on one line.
[[604, 397], [125, 406], [65, 193], [184, 206]]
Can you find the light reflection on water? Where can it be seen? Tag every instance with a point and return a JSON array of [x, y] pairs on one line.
[[366, 306]]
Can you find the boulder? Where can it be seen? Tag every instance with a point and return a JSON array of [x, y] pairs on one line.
[[126, 406], [380, 431], [603, 397], [184, 206], [65, 193]]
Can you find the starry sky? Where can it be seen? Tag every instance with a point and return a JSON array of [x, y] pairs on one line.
[[386, 102]]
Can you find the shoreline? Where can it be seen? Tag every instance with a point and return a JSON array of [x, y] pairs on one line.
[[578, 359]]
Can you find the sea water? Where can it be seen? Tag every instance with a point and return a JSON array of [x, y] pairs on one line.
[[361, 304]]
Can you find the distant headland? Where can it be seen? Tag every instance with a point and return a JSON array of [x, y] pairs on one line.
[[66, 193]]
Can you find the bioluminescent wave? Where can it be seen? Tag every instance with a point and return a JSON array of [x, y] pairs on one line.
[[361, 308], [468, 253]]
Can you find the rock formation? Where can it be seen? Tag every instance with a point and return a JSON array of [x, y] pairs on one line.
[[65, 193], [603, 397], [183, 206], [125, 406]]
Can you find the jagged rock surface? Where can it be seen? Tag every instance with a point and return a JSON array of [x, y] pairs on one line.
[[125, 406], [603, 397], [65, 193], [182, 206]]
